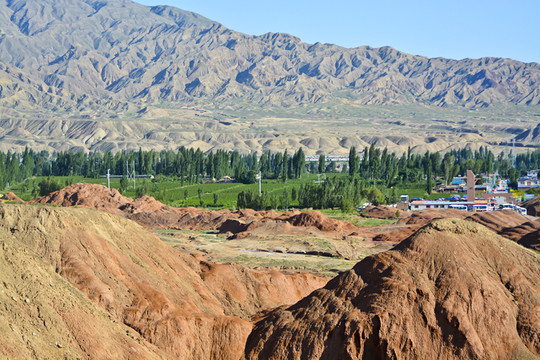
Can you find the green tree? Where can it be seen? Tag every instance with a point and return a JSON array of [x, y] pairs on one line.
[[375, 196], [513, 176], [322, 162], [429, 180], [284, 200], [48, 185], [285, 170], [200, 194], [123, 183], [142, 189], [353, 161], [298, 163], [294, 194]]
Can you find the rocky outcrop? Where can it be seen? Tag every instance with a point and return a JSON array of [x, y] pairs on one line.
[[453, 290], [11, 197], [151, 213]]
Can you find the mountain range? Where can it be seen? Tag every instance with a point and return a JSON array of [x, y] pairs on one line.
[[109, 58], [72, 52]]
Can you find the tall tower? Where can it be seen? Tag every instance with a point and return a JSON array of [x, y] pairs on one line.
[[471, 180]]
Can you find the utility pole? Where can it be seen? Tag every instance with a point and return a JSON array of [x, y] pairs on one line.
[[259, 176], [319, 181], [514, 153], [133, 167], [109, 178]]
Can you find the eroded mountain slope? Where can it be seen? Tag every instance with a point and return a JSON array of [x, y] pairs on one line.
[[79, 74]]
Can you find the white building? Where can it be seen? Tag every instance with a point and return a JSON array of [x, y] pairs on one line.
[[443, 204]]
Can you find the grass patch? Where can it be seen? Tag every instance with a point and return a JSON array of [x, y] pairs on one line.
[[356, 219]]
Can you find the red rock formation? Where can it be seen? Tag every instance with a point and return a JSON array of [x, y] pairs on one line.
[[318, 220], [380, 212], [183, 305], [12, 197], [153, 214], [533, 206], [454, 290]]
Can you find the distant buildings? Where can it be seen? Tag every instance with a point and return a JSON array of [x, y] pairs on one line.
[[496, 195], [475, 205], [529, 181], [328, 158], [458, 181]]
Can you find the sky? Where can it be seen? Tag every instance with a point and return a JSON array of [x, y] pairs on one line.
[[455, 29]]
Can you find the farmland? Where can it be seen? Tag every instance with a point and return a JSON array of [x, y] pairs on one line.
[[170, 191]]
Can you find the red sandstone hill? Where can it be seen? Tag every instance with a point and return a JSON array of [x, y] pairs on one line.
[[453, 290], [79, 283], [380, 212], [12, 197], [533, 206], [507, 223], [151, 213]]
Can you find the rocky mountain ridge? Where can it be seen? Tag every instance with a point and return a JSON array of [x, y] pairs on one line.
[[74, 54]]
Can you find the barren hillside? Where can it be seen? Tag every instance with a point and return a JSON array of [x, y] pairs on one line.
[[118, 51], [453, 290], [81, 283]]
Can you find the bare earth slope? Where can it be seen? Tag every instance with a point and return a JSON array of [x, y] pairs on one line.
[[506, 223], [103, 287], [44, 317], [533, 206], [454, 290]]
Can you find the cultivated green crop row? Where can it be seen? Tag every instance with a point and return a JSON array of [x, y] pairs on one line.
[[171, 192]]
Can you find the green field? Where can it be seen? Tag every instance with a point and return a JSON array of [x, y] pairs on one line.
[[171, 192]]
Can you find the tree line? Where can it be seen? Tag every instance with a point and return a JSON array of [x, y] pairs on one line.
[[344, 193], [374, 166], [187, 164], [379, 165]]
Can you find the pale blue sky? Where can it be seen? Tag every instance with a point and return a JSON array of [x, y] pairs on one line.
[[454, 29]]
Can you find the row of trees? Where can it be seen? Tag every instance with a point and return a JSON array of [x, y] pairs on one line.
[[377, 164], [190, 165], [343, 193], [187, 164]]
